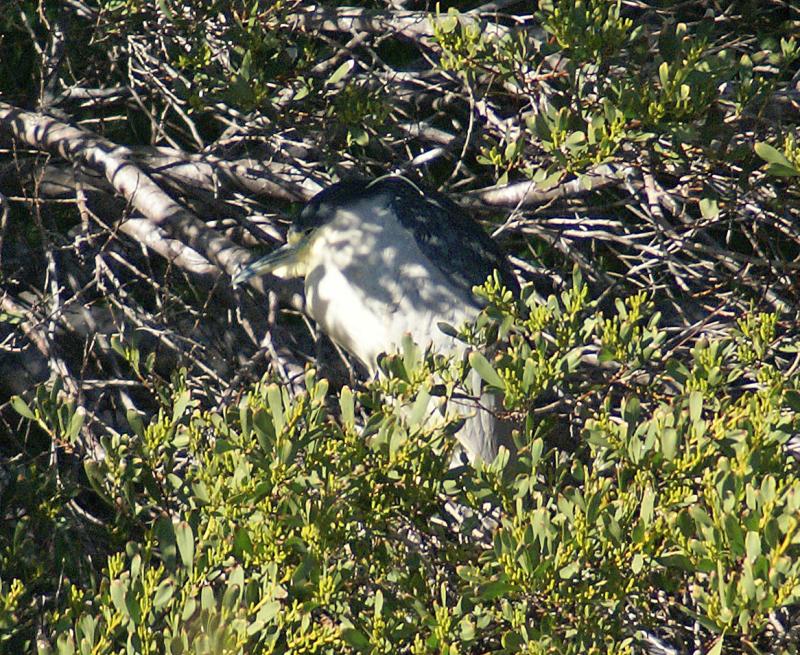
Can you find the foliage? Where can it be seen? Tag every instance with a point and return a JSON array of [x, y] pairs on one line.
[[599, 102], [783, 164], [280, 525], [155, 498], [586, 30]]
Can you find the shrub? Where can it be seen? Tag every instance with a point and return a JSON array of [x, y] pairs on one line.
[[649, 495]]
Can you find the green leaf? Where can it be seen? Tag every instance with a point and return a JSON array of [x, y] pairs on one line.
[[495, 589], [771, 155], [223, 446], [189, 609], [480, 364], [185, 541], [303, 91], [276, 407], [446, 328], [648, 500], [207, 600], [397, 437], [96, 474], [695, 405], [136, 423], [575, 139], [236, 577], [118, 590], [356, 639], [735, 534], [467, 628], [65, 645], [135, 567], [709, 208], [75, 424], [245, 72], [752, 545], [593, 507], [779, 170], [419, 409], [286, 450], [117, 346], [163, 594], [85, 628], [700, 516], [358, 135], [663, 75], [669, 443], [347, 405], [242, 543], [637, 563], [716, 649], [768, 489], [264, 428], [678, 371], [528, 374], [181, 403], [792, 399], [230, 598], [339, 73], [269, 611], [537, 446], [21, 407], [569, 570], [165, 533], [677, 560], [412, 354], [447, 24], [631, 410]]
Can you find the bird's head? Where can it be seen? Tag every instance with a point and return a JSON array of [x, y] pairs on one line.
[[288, 261], [293, 259]]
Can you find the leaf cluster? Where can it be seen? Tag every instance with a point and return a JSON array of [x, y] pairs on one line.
[[281, 524]]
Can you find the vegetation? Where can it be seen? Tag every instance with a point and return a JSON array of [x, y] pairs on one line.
[[190, 469]]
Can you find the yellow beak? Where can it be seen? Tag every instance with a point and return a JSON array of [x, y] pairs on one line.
[[286, 262]]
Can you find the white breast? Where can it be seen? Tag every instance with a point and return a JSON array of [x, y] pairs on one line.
[[368, 284]]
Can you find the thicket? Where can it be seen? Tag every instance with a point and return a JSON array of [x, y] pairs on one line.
[[188, 468]]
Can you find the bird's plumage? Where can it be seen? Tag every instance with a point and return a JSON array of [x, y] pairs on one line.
[[445, 233], [384, 259]]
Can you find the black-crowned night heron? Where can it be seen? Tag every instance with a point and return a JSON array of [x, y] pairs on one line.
[[382, 259]]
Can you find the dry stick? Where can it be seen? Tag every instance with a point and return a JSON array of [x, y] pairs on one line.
[[209, 171], [162, 215], [415, 25], [114, 162], [4, 209], [525, 194], [33, 328], [172, 100], [35, 331]]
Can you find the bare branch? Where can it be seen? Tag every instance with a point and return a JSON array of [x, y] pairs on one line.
[[115, 164]]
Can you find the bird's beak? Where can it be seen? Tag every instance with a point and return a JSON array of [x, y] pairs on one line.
[[286, 262]]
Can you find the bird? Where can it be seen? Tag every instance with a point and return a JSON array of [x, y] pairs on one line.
[[384, 258]]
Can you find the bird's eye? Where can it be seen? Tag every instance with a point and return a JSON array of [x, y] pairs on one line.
[[298, 234]]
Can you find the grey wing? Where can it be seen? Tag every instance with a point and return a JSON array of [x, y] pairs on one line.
[[451, 239]]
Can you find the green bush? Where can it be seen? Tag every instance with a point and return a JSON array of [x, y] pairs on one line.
[[287, 524], [651, 495]]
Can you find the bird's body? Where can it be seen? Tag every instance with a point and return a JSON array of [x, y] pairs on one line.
[[366, 262], [382, 260]]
